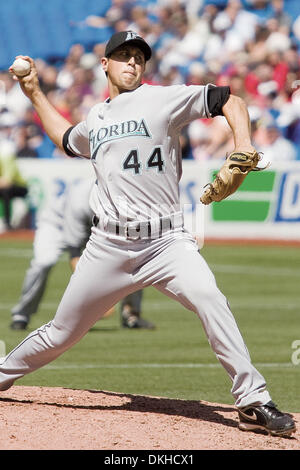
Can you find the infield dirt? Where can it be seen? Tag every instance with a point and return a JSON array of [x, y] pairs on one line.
[[41, 418]]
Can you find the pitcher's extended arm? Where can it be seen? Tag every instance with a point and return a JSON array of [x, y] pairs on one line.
[[55, 125]]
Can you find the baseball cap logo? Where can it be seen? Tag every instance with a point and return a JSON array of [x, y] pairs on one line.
[[124, 37], [131, 35]]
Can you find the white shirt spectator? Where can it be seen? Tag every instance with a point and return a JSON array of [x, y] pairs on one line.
[[276, 148]]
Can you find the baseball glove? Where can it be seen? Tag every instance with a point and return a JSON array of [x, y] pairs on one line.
[[231, 175]]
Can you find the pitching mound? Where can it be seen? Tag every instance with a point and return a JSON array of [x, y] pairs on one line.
[[40, 418]]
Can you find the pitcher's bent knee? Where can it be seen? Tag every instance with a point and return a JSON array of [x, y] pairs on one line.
[[200, 296], [57, 337]]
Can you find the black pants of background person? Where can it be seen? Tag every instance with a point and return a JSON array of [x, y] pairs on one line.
[[6, 195]]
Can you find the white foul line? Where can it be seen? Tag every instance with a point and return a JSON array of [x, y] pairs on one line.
[[166, 304], [158, 366], [254, 270]]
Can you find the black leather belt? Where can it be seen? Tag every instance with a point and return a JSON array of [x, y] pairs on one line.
[[140, 230]]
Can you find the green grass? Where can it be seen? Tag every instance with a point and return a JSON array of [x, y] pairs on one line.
[[175, 360]]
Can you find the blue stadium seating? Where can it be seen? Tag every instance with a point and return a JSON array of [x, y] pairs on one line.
[[47, 29]]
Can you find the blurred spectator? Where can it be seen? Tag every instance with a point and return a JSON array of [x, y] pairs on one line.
[[200, 138], [27, 139], [241, 25], [278, 39], [250, 45], [196, 74], [184, 46], [296, 27], [12, 184], [261, 8], [14, 101], [49, 79], [210, 138], [283, 18], [289, 119], [270, 141], [256, 49], [28, 136], [120, 9]]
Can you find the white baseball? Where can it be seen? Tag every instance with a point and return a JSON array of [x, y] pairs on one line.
[[21, 67]]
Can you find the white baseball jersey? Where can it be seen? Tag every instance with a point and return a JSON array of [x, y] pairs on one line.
[[133, 142]]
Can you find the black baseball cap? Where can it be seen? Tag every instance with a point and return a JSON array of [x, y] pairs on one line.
[[125, 37]]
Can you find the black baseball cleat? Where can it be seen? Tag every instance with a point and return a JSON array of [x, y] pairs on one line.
[[266, 417], [134, 321], [18, 325], [19, 322]]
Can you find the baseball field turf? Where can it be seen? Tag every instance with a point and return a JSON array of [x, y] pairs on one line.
[[262, 284]]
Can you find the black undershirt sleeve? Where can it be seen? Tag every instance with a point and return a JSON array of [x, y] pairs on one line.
[[216, 98], [65, 142]]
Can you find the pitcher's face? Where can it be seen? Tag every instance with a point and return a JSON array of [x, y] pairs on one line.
[[125, 67]]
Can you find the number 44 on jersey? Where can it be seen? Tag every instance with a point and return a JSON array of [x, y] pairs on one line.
[[154, 161]]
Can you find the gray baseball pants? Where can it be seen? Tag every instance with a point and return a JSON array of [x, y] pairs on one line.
[[113, 267]]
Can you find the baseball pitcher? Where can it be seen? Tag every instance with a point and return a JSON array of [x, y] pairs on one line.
[[138, 238]]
